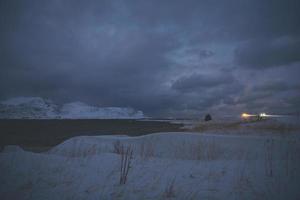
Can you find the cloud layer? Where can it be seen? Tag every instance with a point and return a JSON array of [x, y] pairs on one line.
[[168, 58]]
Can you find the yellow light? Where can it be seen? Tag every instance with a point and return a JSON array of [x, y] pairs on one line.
[[245, 115]]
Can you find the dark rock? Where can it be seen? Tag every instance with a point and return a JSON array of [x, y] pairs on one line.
[[207, 117]]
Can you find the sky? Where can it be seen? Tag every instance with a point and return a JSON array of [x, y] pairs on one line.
[[167, 58]]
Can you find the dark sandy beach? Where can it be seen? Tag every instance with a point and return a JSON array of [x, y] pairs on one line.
[[39, 135]]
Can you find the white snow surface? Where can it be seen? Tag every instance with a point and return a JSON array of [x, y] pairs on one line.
[[39, 108], [164, 166]]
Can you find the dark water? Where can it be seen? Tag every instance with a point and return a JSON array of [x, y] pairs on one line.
[[39, 135]]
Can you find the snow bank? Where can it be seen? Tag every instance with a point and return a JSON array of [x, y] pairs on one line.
[[39, 108], [89, 168], [179, 145]]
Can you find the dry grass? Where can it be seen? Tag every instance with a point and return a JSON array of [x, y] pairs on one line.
[[217, 126], [269, 146], [264, 125], [205, 150], [279, 173], [197, 150], [147, 150], [276, 127], [170, 190], [117, 147], [126, 153]]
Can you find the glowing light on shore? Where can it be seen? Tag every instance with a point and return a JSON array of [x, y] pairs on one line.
[[262, 115], [246, 115], [266, 115]]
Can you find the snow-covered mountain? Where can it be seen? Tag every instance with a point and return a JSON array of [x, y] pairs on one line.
[[28, 107], [81, 110], [39, 108]]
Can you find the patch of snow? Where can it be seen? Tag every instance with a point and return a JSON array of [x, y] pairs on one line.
[[164, 165]]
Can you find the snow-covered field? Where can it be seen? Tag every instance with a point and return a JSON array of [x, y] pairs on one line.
[[183, 165], [39, 108]]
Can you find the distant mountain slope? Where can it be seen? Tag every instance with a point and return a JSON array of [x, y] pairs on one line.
[[39, 108], [81, 110], [28, 107]]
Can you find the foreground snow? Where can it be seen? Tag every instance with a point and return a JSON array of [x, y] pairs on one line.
[[39, 108], [164, 165]]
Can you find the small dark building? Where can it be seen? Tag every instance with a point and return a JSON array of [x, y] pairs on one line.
[[207, 117]]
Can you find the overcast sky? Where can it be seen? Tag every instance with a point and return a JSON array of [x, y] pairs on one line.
[[166, 58]]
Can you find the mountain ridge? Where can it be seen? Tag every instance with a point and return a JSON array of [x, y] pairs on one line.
[[39, 108]]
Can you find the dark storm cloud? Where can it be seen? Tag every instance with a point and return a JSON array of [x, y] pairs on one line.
[[142, 53], [277, 86], [259, 54], [199, 53], [230, 19], [197, 82], [272, 96], [202, 92]]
